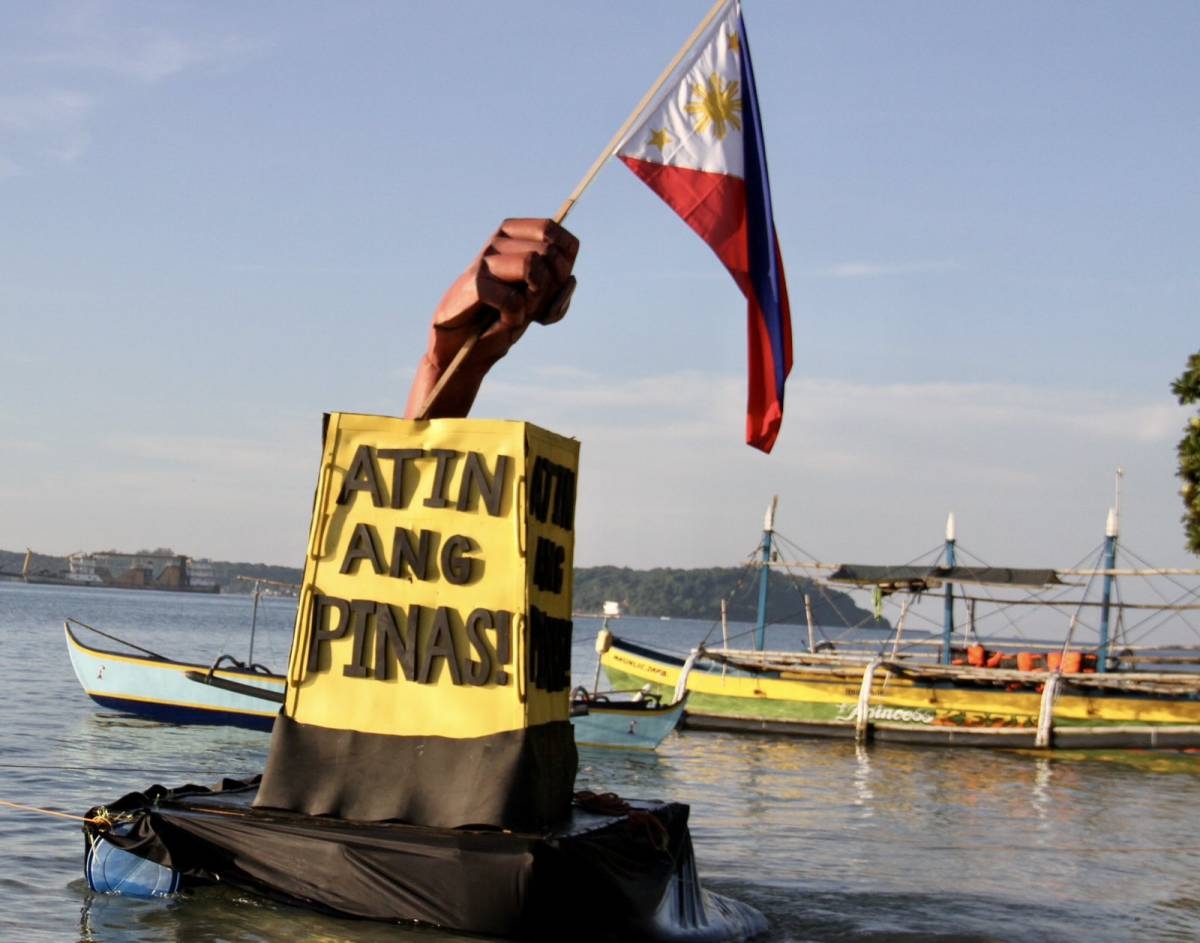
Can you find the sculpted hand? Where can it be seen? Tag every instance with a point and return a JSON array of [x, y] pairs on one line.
[[522, 275]]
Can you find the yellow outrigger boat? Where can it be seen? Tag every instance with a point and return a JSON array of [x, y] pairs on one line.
[[952, 689]]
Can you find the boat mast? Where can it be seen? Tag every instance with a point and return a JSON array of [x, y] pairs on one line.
[[1111, 528], [948, 611], [760, 630]]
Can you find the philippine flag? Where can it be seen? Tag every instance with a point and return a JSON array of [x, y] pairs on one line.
[[702, 151]]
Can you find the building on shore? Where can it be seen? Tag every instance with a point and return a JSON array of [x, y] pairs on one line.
[[158, 570]]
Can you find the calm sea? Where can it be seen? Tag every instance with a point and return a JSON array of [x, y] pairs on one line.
[[833, 842]]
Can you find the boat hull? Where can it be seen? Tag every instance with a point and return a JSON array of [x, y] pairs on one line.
[[626, 725], [828, 702], [175, 692]]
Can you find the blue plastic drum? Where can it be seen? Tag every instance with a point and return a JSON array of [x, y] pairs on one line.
[[112, 870]]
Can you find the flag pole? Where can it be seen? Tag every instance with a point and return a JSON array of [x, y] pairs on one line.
[[583, 184], [619, 137]]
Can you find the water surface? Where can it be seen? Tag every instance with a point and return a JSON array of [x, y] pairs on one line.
[[832, 841]]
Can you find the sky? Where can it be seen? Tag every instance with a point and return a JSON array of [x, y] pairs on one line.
[[219, 221]]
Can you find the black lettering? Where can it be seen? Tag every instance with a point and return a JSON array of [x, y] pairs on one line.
[[363, 546], [503, 644], [362, 475], [549, 651], [539, 489], [441, 477], [564, 499], [401, 458], [403, 641], [440, 645], [475, 478], [552, 493], [479, 672], [360, 611], [405, 554], [456, 567], [321, 632], [548, 565]]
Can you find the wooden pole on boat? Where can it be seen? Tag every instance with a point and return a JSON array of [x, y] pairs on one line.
[[617, 140], [1110, 562], [808, 617], [760, 629], [724, 630], [948, 608], [603, 644], [253, 624], [900, 626]]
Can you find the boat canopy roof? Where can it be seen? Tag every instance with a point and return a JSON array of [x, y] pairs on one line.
[[917, 579]]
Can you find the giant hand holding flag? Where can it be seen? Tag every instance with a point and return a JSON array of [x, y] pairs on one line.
[[522, 275], [702, 151]]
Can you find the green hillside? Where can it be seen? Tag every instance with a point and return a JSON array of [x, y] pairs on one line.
[[677, 593]]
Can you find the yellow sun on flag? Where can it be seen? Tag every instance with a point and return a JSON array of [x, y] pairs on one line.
[[717, 104]]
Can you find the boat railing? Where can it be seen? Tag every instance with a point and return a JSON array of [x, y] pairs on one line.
[[842, 666], [70, 621]]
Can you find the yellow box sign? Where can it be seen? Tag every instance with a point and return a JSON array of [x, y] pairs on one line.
[[437, 590]]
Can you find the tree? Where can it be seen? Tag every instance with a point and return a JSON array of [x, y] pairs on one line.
[[1187, 388]]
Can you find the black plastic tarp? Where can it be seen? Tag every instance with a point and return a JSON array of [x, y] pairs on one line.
[[625, 872]]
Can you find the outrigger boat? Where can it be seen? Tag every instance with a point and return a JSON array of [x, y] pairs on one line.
[[145, 684], [958, 689], [140, 682], [627, 720]]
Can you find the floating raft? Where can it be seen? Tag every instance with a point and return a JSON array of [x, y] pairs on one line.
[[617, 869]]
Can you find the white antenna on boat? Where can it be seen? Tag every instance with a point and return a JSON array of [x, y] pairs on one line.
[[950, 526], [1110, 526], [1115, 514], [760, 628]]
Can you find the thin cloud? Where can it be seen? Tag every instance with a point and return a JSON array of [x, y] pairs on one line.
[[883, 270], [150, 56], [70, 150], [49, 109]]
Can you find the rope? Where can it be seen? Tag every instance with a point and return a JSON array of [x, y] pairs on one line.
[[604, 803], [62, 815]]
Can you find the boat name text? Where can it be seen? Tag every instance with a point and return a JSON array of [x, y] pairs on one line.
[[900, 715]]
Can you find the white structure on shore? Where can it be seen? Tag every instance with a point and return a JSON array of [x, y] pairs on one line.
[[164, 569]]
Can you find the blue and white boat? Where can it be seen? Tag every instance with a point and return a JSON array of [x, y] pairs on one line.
[[143, 683], [632, 721], [637, 719]]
